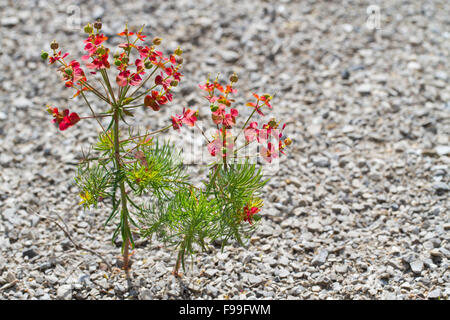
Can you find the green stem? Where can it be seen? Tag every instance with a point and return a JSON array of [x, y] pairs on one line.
[[143, 82], [105, 77], [93, 113], [124, 212], [148, 134], [224, 137], [179, 257]]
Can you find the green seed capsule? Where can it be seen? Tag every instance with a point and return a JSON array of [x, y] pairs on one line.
[[88, 28], [44, 55], [178, 51], [148, 65]]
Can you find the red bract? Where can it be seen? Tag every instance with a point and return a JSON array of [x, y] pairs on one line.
[[221, 117], [214, 147], [230, 118], [269, 153], [271, 129], [135, 79], [56, 57], [101, 62], [265, 102], [72, 74], [249, 213], [140, 69], [189, 118], [125, 33], [125, 77], [69, 121], [64, 119], [251, 132], [122, 78], [97, 52], [165, 83], [218, 115], [222, 146], [208, 87], [155, 100], [229, 89], [140, 36], [212, 99], [144, 52]]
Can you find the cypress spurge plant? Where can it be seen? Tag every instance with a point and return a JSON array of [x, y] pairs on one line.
[[143, 178]]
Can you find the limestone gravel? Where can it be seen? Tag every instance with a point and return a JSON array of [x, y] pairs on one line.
[[359, 207]]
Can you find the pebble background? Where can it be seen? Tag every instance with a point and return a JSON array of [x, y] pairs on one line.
[[360, 206]]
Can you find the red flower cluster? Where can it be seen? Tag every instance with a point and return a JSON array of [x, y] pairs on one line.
[[64, 119], [96, 51], [219, 114], [264, 100], [221, 146], [56, 57], [149, 58], [72, 74], [155, 100], [218, 105], [189, 117], [97, 59], [264, 134], [167, 79], [249, 213]]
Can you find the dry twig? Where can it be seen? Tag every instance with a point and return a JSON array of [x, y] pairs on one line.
[[67, 233]]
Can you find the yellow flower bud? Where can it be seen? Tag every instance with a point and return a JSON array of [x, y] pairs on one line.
[[178, 51], [287, 141]]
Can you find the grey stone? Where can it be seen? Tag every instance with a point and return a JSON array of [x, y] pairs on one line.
[[440, 187], [364, 88], [435, 294], [23, 102], [442, 150], [341, 268], [314, 227], [255, 280], [30, 253], [64, 292], [229, 56], [2, 263], [321, 162], [10, 21], [320, 258], [416, 266]]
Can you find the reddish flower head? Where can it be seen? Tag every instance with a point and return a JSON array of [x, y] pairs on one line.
[[269, 153], [189, 118], [249, 213], [64, 119], [155, 100]]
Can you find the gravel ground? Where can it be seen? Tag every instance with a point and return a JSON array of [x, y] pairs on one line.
[[358, 209]]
